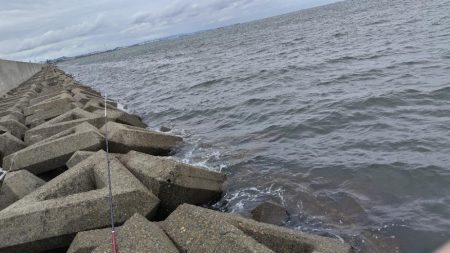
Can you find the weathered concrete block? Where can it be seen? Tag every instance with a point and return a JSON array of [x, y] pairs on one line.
[[44, 95], [194, 229], [270, 212], [88, 241], [52, 90], [97, 103], [36, 87], [7, 103], [29, 94], [63, 122], [97, 106], [124, 138], [13, 113], [85, 89], [42, 116], [55, 151], [122, 117], [74, 201], [173, 182], [17, 185], [15, 127], [9, 144], [77, 157], [188, 226], [12, 110], [22, 103], [11, 99], [48, 104], [285, 240], [84, 96], [136, 235]]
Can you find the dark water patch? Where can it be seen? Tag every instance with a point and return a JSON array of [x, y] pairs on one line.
[[378, 22], [411, 63], [380, 101], [340, 34], [443, 93], [206, 84], [346, 59]]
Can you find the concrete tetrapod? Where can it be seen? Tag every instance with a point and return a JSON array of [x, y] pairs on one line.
[[75, 201], [124, 138], [63, 122], [17, 185], [55, 151], [14, 127], [285, 240], [78, 157], [83, 96], [122, 117], [85, 89], [44, 95], [193, 229], [136, 235], [97, 106], [173, 182], [97, 103], [20, 101], [40, 117], [49, 103], [14, 111], [197, 229], [10, 100], [9, 144]]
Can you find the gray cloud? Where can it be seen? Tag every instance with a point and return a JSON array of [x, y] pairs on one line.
[[181, 10], [37, 30], [65, 33]]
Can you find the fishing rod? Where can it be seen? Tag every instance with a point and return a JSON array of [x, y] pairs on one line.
[[111, 208]]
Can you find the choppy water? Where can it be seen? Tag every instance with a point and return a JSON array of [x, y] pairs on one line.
[[341, 113]]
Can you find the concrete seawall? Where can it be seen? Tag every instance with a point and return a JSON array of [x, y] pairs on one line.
[[54, 197], [13, 73]]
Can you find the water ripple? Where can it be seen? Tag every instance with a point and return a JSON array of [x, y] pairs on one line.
[[340, 113]]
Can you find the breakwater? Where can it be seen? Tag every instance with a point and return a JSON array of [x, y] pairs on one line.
[[13, 73], [55, 194]]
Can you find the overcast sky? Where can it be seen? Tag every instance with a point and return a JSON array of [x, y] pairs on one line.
[[35, 30]]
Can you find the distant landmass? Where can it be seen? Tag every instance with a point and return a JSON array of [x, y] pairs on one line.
[[66, 58], [171, 37]]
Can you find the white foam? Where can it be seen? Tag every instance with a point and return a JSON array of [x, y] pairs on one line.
[[239, 200], [209, 158], [122, 107]]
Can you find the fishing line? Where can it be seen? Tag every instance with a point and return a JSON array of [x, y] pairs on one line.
[[111, 208]]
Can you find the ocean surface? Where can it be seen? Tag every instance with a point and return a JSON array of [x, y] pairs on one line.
[[340, 113]]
